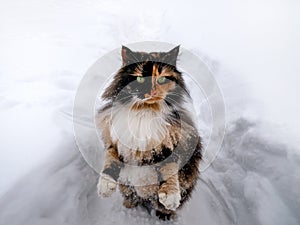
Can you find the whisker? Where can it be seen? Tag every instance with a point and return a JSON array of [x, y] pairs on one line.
[[119, 99]]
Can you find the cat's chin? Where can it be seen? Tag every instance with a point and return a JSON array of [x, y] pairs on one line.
[[154, 105]]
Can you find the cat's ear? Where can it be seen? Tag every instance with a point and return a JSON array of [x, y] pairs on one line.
[[128, 56], [171, 56]]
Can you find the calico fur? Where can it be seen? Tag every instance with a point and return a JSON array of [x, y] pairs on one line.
[[153, 148]]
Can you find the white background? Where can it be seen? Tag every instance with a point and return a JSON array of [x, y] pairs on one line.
[[254, 49]]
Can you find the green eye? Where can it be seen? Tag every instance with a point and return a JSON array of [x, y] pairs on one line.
[[140, 79], [162, 80]]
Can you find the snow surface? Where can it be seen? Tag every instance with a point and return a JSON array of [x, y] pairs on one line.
[[253, 49]]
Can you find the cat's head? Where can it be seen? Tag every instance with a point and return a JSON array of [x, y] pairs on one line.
[[147, 80]]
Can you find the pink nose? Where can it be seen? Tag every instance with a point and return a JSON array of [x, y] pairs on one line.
[[153, 92]]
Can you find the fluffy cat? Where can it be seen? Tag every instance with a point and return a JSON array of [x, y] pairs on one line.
[[153, 148]]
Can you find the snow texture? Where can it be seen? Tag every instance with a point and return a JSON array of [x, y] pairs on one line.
[[46, 47]]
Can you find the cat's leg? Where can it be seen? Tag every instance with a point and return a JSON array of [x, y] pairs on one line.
[[177, 185], [151, 203], [160, 210], [108, 180], [169, 191], [129, 194], [164, 216]]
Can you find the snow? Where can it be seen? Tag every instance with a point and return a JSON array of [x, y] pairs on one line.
[[251, 47]]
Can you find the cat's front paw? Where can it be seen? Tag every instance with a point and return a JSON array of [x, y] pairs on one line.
[[171, 201], [106, 186]]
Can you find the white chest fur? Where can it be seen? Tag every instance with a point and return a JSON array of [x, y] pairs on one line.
[[137, 129]]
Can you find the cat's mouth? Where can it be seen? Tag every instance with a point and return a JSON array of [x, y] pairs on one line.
[[151, 102], [150, 99]]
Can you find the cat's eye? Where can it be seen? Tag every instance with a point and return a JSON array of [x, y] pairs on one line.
[[140, 79], [162, 80]]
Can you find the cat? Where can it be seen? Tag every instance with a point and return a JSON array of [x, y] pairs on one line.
[[152, 145]]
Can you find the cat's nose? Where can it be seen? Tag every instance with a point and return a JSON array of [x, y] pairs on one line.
[[153, 92]]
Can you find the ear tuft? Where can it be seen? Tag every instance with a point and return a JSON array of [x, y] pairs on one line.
[[128, 56], [171, 56], [174, 52]]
